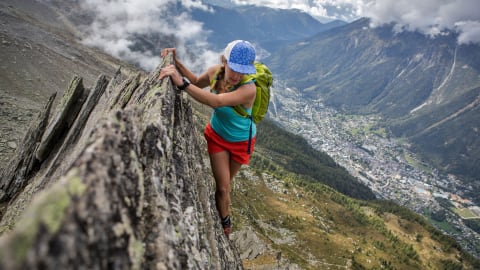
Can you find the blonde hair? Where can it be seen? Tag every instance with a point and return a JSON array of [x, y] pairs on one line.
[[220, 75]]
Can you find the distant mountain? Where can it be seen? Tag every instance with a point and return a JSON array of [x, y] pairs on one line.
[[428, 89], [269, 28], [221, 3], [342, 13]]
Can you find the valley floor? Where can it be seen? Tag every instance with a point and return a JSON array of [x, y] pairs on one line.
[[384, 164]]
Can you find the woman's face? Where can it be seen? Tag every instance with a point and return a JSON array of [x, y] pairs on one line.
[[232, 77]]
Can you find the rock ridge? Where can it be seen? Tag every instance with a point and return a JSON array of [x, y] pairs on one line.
[[117, 180]]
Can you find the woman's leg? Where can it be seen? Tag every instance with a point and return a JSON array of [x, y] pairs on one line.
[[224, 169]]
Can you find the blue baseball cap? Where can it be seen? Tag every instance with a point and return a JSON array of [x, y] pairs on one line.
[[240, 56]]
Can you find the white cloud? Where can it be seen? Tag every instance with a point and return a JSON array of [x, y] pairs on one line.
[[118, 23], [469, 31], [431, 17]]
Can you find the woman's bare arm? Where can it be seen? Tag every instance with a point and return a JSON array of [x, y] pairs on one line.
[[244, 95]]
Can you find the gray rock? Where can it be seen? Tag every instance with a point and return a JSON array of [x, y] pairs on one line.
[[12, 145], [249, 244], [124, 185]]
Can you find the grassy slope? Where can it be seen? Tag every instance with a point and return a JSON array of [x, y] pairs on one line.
[[314, 226]]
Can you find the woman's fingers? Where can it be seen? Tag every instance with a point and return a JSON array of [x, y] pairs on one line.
[[166, 71], [166, 51], [171, 71]]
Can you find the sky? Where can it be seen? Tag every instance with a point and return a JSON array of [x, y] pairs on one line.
[[118, 21]]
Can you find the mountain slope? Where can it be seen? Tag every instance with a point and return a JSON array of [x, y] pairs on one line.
[[270, 28], [314, 227], [294, 154], [40, 53], [422, 86]]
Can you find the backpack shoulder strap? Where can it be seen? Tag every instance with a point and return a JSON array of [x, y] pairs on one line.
[[215, 78], [239, 109]]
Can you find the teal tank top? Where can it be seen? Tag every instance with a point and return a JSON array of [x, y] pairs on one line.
[[231, 126]]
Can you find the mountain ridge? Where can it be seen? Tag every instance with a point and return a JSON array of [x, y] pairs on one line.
[[116, 173], [269, 28], [402, 76]]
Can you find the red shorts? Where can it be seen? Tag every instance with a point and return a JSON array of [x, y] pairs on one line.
[[237, 150]]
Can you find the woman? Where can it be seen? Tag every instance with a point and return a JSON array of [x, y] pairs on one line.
[[228, 133]]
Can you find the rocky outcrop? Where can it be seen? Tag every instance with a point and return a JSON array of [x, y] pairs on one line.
[[117, 180]]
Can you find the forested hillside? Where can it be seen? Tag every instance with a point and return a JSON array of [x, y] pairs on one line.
[[294, 154]]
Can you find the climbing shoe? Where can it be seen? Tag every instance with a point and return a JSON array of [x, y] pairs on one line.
[[227, 226]]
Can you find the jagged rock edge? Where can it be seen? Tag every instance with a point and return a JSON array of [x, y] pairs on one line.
[[118, 189]]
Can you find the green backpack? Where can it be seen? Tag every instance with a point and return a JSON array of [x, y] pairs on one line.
[[263, 81]]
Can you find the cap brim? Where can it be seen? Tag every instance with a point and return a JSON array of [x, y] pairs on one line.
[[245, 69]]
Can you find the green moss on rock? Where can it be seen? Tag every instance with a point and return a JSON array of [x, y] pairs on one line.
[[48, 208]]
